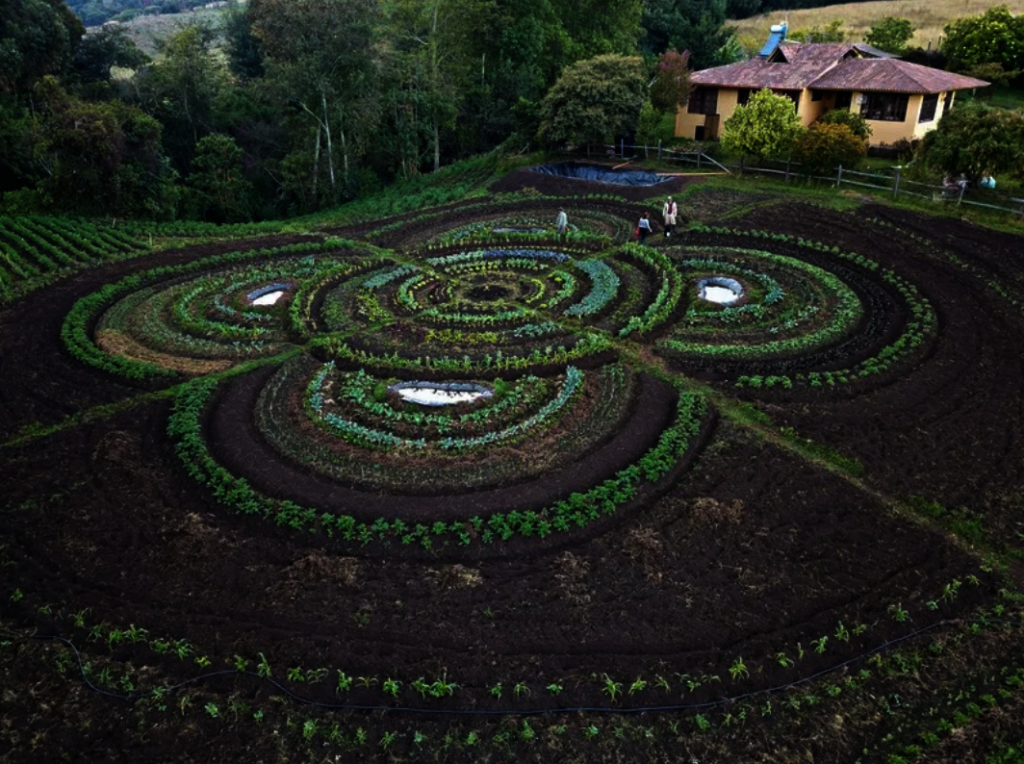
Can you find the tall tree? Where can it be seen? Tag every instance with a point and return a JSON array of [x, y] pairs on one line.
[[995, 37], [694, 25], [181, 89], [322, 57], [595, 100], [98, 53], [976, 140], [891, 34], [100, 159], [37, 38], [437, 42]]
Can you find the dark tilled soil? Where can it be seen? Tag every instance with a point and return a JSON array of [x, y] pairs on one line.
[[747, 551]]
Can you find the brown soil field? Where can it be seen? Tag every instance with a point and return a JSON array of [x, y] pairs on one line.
[[826, 574]]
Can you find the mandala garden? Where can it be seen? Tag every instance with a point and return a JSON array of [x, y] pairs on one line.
[[453, 487]]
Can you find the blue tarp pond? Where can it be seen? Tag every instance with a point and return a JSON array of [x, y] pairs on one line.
[[601, 174]]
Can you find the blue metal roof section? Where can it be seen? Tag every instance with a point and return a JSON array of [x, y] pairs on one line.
[[777, 37]]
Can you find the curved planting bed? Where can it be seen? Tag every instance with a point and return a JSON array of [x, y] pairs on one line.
[[451, 487]]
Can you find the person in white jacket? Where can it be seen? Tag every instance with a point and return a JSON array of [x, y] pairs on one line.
[[669, 212], [562, 222]]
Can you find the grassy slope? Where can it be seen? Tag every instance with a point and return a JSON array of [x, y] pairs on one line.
[[928, 17]]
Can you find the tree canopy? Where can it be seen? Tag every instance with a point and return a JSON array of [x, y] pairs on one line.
[[891, 34], [765, 127], [595, 100], [975, 140], [994, 37]]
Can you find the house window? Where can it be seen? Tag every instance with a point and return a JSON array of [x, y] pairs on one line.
[[844, 99], [792, 95], [928, 107], [742, 96], [703, 101], [885, 107]]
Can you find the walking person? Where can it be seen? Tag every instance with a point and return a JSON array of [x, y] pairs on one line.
[[643, 228], [669, 212], [562, 222]]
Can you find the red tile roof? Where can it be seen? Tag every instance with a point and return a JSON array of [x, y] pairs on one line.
[[892, 76], [795, 66]]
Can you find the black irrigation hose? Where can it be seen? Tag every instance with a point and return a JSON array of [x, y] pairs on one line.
[[473, 712]]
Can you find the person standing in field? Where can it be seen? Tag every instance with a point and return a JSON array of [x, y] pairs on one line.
[[562, 222], [643, 228], [669, 212]]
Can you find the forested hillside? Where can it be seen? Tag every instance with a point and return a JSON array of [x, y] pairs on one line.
[[291, 106]]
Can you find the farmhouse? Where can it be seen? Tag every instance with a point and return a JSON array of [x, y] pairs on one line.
[[900, 100]]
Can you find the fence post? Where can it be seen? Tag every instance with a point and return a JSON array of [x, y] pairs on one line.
[[963, 187], [896, 183], [622, 147], [789, 160], [699, 154], [659, 149], [839, 178]]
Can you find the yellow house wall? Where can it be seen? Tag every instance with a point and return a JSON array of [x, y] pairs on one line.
[[881, 132], [891, 132], [810, 110], [686, 123]]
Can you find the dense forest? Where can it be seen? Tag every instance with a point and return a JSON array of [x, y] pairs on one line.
[[291, 106], [295, 104]]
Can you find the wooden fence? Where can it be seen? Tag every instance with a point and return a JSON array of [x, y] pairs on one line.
[[896, 184]]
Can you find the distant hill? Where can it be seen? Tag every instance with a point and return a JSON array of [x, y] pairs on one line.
[[928, 17], [96, 12]]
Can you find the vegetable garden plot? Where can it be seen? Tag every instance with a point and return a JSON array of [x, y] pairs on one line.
[[634, 518]]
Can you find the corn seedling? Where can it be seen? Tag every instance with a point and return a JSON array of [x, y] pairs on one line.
[[366, 681], [702, 724], [313, 676], [309, 729], [612, 688], [898, 613], [387, 739], [241, 664], [182, 648], [296, 675], [344, 683], [638, 685], [212, 710], [842, 633], [662, 684], [949, 591], [783, 660], [496, 690], [819, 644], [554, 688], [592, 731], [391, 687], [203, 662], [472, 739], [520, 689], [264, 667], [738, 669], [79, 618]]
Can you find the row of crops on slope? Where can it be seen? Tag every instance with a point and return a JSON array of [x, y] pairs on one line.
[[34, 250]]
